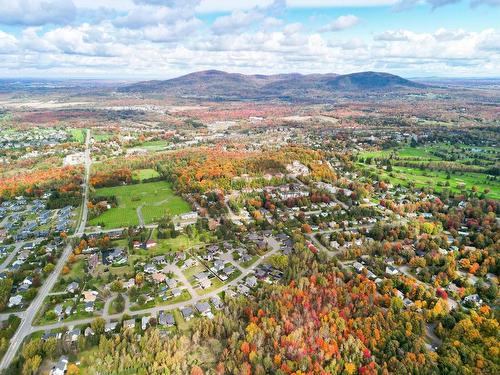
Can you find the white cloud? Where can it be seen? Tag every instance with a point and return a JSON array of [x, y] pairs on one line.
[[173, 32], [236, 21], [209, 6], [36, 12], [401, 5], [162, 38], [392, 36], [448, 35], [150, 15], [240, 19], [8, 43], [341, 23]]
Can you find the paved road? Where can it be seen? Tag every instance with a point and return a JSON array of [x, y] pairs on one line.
[[173, 268], [5, 316], [11, 256], [155, 310], [363, 226], [26, 326], [452, 304], [103, 231]]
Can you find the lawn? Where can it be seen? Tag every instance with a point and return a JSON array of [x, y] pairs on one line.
[[216, 283], [191, 271], [99, 137], [114, 307], [145, 174], [185, 296], [169, 245], [181, 324], [248, 263], [405, 152], [42, 318], [78, 135], [77, 271], [437, 179], [158, 145], [156, 199], [121, 271]]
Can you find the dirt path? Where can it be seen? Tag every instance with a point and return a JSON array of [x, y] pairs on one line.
[[139, 215]]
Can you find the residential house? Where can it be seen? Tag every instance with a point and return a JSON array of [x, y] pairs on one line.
[[88, 332], [171, 283], [58, 309], [203, 308], [150, 244], [130, 323], [218, 265], [391, 271], [216, 302], [60, 367], [243, 289], [251, 281], [166, 319], [73, 335], [89, 295], [205, 283], [89, 306], [129, 283], [358, 267], [473, 299], [144, 322], [15, 301], [150, 268], [187, 313], [158, 277], [72, 287]]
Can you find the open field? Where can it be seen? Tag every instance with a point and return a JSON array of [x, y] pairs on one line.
[[154, 145], [100, 137], [144, 174], [422, 176], [169, 245], [437, 152], [78, 135], [155, 198]]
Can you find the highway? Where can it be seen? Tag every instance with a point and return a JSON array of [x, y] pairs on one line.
[[26, 326]]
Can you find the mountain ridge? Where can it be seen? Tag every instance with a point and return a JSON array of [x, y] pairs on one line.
[[220, 84]]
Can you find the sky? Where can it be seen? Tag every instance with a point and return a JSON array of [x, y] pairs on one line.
[[161, 39]]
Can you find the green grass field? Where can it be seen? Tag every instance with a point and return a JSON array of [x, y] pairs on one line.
[[437, 179], [156, 199], [158, 145], [78, 135], [169, 245], [144, 174], [99, 137]]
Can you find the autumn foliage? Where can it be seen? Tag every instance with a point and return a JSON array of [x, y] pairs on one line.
[[322, 325]]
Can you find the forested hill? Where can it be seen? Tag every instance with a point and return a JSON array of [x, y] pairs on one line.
[[219, 84]]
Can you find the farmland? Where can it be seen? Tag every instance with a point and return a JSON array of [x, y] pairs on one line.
[[155, 199]]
